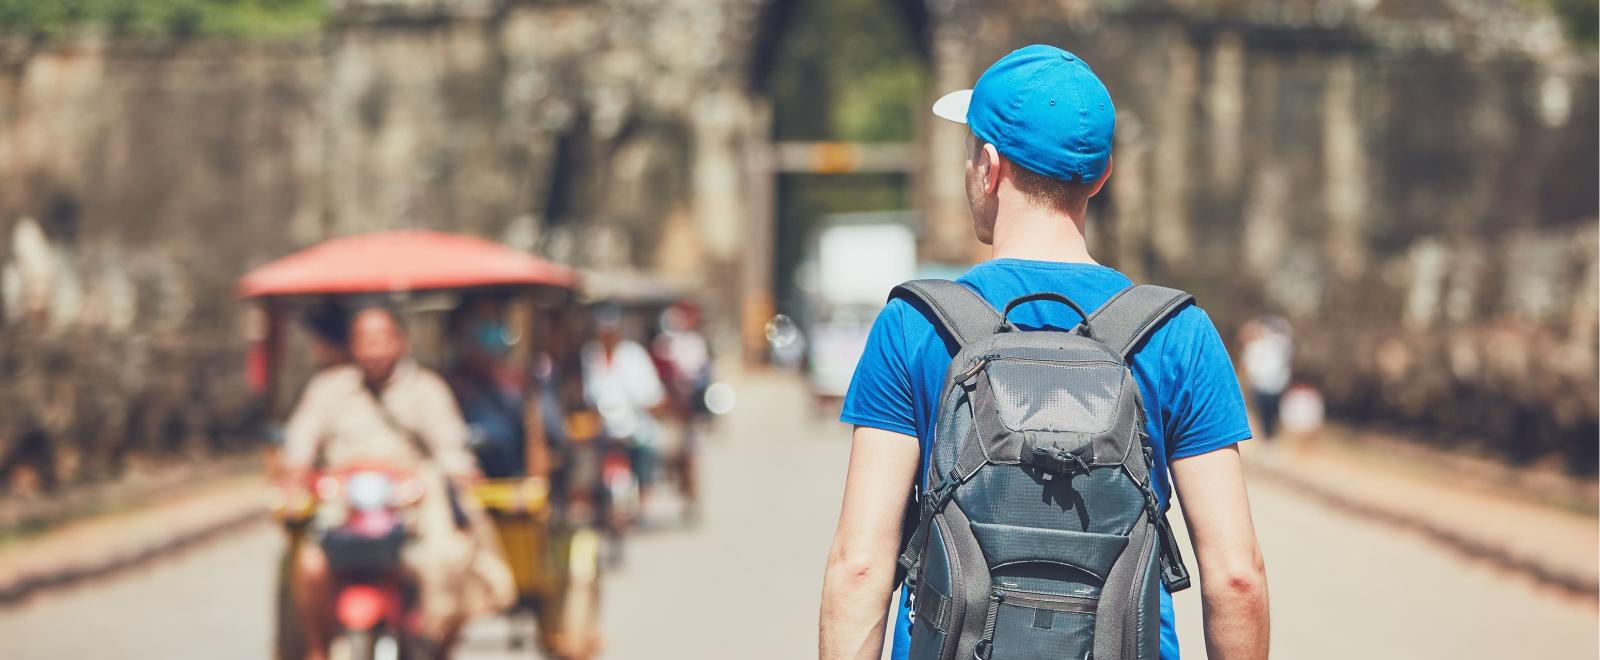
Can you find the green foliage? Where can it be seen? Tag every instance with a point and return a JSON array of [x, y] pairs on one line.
[[847, 70], [1581, 19], [176, 18]]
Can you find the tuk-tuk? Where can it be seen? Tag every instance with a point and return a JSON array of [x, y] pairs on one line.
[[656, 312], [425, 275]]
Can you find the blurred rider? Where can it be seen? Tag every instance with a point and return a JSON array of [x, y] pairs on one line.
[[385, 408], [491, 393], [621, 383]]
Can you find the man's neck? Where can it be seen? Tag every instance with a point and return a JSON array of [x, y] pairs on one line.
[[1025, 231]]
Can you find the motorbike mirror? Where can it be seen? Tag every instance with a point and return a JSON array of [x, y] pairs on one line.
[[719, 398]]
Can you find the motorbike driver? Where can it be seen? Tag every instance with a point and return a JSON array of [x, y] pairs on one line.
[[621, 383], [385, 408]]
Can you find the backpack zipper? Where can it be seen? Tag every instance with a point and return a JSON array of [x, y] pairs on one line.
[[1011, 358], [1074, 604], [983, 361], [977, 366]]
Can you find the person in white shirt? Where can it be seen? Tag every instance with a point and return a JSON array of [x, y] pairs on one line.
[[621, 382], [1268, 356]]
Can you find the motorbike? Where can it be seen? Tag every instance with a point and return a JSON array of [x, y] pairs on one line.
[[620, 480], [603, 485], [361, 517]]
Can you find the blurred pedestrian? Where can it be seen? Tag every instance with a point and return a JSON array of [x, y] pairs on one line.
[[1268, 347], [1039, 146], [686, 355]]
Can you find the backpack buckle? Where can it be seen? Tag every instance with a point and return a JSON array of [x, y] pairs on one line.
[[1053, 458]]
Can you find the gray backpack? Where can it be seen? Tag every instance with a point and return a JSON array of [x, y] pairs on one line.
[[1038, 534]]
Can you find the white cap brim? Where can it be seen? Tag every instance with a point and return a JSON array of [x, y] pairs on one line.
[[953, 106]]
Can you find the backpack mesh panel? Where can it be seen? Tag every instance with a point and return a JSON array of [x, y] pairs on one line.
[[1104, 501], [1037, 396]]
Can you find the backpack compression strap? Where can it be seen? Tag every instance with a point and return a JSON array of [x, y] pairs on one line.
[[961, 313], [1122, 323], [1132, 314]]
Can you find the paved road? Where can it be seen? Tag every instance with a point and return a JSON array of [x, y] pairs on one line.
[[744, 584]]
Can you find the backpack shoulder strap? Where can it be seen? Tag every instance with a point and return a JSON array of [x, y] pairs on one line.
[[960, 312], [1132, 313]]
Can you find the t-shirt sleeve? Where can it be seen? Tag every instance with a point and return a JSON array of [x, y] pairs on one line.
[[303, 433], [438, 420], [1205, 408], [880, 394]]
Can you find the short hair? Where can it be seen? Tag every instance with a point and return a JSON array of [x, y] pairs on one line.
[[1059, 194], [382, 307], [329, 321]]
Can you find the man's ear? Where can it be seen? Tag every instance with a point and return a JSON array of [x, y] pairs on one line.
[[991, 171], [1104, 176]]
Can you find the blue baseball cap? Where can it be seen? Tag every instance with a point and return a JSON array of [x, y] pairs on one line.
[[1044, 109]]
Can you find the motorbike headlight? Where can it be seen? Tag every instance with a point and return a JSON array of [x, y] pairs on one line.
[[369, 491]]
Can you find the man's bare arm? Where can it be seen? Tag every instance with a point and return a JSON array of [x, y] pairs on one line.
[[1233, 578], [858, 580]]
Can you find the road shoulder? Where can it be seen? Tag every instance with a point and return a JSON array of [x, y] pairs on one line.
[[100, 545], [1549, 543]]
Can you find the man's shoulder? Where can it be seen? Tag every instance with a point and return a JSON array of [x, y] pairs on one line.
[[1179, 340], [339, 376], [1191, 322], [632, 353], [425, 377], [903, 322]]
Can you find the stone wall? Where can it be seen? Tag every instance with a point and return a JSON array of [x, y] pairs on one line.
[[136, 180], [1415, 194], [1410, 181], [139, 180]]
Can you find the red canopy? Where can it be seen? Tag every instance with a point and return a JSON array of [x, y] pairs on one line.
[[400, 261]]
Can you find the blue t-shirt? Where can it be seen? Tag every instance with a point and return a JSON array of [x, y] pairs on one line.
[[1191, 395]]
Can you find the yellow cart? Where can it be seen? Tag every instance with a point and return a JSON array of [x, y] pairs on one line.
[[555, 567]]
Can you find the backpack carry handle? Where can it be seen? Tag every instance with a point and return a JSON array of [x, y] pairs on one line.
[[1047, 295]]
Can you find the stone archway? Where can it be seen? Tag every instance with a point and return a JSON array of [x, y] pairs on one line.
[[776, 151]]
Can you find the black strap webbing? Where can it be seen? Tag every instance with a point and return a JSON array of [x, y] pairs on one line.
[[931, 607], [959, 312], [1173, 573], [1132, 313], [932, 502], [992, 617]]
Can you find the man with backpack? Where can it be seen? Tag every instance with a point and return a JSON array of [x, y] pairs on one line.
[[1035, 407]]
